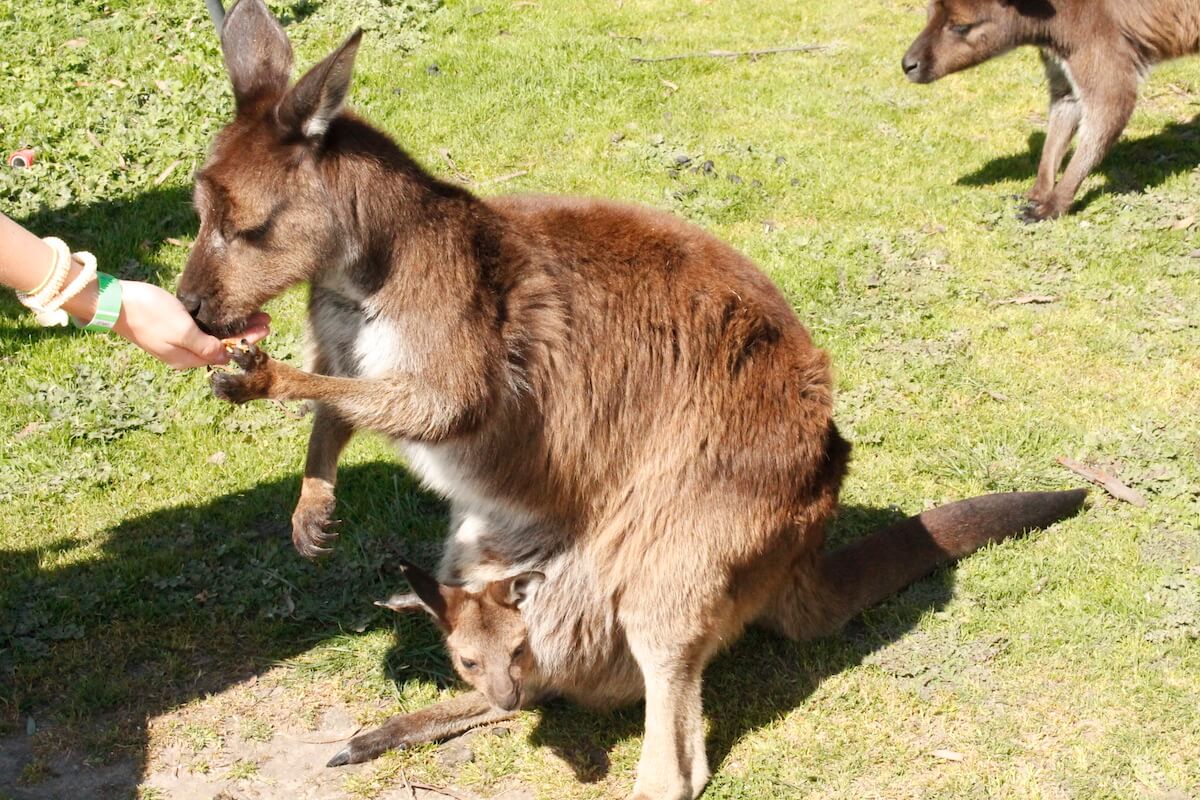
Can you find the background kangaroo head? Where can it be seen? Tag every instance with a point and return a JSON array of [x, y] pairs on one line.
[[485, 630], [266, 217], [963, 33]]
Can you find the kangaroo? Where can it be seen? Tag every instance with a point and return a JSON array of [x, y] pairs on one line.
[[1095, 53], [572, 375], [542, 634]]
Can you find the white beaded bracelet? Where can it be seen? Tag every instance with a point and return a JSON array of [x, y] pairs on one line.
[[53, 284], [47, 304]]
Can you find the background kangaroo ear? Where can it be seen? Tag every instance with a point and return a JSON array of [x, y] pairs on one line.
[[523, 587], [257, 53], [440, 601], [317, 98]]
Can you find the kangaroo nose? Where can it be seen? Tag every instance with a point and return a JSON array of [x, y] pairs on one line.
[[191, 303], [910, 64]]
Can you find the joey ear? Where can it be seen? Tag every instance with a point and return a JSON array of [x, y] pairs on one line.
[[402, 602], [257, 52], [317, 98], [522, 588], [440, 601]]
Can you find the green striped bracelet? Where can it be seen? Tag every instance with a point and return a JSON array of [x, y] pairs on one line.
[[108, 304]]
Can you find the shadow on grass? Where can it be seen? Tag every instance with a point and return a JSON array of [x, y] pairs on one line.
[[762, 678], [121, 232], [187, 601], [1133, 165], [183, 602]]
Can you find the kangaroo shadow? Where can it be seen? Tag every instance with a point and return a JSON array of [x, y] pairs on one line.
[[1133, 165], [182, 602], [122, 233]]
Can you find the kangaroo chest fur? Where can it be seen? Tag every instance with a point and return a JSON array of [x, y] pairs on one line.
[[349, 336]]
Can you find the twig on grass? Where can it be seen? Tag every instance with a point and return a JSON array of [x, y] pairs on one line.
[[753, 54], [1110, 484], [506, 177], [458, 173], [425, 787]]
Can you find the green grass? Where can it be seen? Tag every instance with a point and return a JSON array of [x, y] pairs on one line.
[[145, 566]]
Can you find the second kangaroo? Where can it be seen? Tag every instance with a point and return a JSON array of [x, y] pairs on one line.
[[1096, 53]]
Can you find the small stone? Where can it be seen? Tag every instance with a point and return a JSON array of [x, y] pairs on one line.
[[501, 730], [795, 181], [455, 753], [682, 159], [780, 161], [433, 69], [708, 167], [734, 178]]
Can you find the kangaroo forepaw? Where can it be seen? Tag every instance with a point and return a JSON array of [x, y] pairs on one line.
[[312, 533], [252, 383]]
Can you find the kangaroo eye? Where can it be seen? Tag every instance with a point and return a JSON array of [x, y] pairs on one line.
[[256, 234], [470, 665], [520, 651], [961, 30]]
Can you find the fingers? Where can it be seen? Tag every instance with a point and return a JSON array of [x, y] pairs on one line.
[[179, 358], [208, 349]]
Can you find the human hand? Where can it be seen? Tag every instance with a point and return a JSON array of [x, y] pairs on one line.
[[154, 320]]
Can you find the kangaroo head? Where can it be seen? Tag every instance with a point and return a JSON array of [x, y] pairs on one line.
[[963, 33], [485, 630], [267, 220]]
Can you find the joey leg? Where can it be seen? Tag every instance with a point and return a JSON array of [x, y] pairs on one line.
[[440, 721]]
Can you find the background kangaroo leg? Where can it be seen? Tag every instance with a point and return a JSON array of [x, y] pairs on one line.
[[1107, 93], [1065, 112], [440, 721]]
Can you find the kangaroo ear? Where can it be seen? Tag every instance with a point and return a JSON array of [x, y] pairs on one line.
[[317, 98], [257, 53], [440, 601], [522, 588], [1038, 9], [402, 602]]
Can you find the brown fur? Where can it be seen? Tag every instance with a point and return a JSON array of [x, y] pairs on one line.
[[592, 385], [1096, 52]]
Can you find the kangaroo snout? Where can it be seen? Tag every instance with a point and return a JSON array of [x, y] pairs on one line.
[[917, 68], [911, 65], [191, 303]]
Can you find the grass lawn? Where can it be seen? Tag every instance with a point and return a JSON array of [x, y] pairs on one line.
[[159, 636]]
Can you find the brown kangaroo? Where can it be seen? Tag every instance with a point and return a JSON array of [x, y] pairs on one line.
[[573, 375], [552, 632], [1095, 52]]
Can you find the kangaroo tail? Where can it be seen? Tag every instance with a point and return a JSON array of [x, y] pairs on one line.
[[855, 577]]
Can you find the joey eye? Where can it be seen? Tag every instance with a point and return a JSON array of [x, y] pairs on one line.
[[470, 665], [961, 30], [520, 651]]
